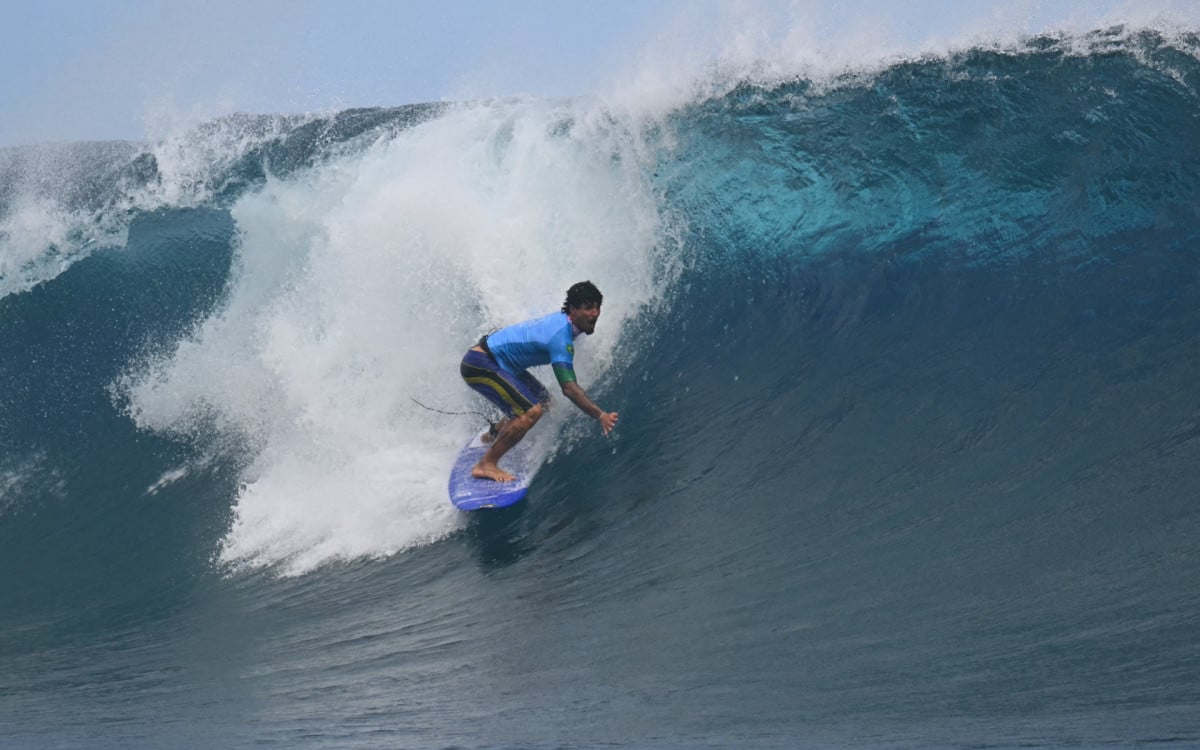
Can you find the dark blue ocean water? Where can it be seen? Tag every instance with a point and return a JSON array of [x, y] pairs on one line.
[[909, 452]]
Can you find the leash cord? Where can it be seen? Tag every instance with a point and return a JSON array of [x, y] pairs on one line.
[[451, 413]]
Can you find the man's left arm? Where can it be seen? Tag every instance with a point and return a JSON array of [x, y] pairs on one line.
[[573, 391]]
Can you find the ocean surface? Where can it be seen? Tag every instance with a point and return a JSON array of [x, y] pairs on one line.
[[909, 450]]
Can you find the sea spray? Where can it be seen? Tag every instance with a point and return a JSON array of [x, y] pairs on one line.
[[359, 284]]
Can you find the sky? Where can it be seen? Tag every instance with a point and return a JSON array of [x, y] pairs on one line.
[[73, 70]]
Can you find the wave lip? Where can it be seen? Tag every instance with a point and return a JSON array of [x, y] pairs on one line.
[[61, 202]]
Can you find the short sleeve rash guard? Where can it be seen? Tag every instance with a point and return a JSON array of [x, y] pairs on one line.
[[543, 341]]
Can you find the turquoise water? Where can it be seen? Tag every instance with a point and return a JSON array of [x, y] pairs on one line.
[[908, 442]]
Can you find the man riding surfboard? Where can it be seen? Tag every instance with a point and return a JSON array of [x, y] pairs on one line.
[[498, 365]]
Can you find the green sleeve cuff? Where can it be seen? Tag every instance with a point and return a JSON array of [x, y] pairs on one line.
[[563, 373]]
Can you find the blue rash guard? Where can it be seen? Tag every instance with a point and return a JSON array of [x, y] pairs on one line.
[[543, 341]]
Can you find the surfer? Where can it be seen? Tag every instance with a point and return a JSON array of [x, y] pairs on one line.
[[498, 366]]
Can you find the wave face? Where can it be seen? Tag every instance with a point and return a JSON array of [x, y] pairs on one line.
[[909, 428]]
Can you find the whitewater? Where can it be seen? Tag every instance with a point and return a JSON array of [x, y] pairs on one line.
[[904, 352]]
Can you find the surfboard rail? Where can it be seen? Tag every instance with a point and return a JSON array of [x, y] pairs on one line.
[[469, 493]]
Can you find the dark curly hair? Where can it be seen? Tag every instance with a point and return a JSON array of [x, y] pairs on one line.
[[583, 293]]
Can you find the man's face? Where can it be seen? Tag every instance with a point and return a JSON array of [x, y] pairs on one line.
[[584, 317]]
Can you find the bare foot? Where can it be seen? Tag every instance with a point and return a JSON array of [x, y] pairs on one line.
[[491, 471]]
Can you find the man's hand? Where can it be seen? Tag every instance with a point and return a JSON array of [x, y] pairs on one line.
[[608, 420]]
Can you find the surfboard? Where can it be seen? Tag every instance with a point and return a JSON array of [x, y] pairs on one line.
[[469, 493]]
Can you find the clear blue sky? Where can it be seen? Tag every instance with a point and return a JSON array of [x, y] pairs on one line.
[[130, 69]]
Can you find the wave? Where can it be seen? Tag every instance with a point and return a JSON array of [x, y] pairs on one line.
[[904, 354], [369, 247]]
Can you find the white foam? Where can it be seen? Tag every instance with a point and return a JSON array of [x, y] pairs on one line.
[[30, 237], [359, 285], [705, 49], [167, 479], [68, 200], [195, 162], [48, 218]]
